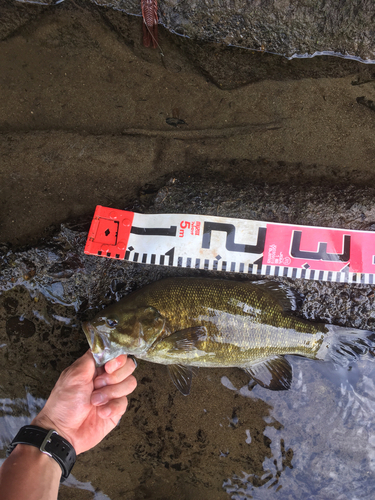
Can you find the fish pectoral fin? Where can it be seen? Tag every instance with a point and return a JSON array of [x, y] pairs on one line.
[[182, 377], [186, 340], [275, 373]]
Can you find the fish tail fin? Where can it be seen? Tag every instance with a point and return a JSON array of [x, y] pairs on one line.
[[345, 345]]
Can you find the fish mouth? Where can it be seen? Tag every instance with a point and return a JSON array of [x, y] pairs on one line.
[[98, 355], [99, 345]]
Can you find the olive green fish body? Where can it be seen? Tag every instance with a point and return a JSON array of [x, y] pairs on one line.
[[244, 323], [198, 322]]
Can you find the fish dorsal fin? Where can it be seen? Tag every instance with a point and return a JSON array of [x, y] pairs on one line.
[[275, 374], [187, 339], [182, 377], [287, 298]]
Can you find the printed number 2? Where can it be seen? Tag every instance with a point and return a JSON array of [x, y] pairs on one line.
[[231, 233]]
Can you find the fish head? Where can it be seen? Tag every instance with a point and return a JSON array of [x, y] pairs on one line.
[[116, 331]]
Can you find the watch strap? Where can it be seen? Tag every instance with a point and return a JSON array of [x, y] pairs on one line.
[[48, 442]]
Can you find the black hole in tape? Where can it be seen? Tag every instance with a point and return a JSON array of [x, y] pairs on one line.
[[108, 254], [99, 252], [117, 255], [107, 232]]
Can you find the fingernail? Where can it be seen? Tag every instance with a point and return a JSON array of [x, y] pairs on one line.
[[97, 398]]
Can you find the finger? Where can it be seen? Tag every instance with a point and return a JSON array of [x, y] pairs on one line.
[[99, 371], [116, 363], [81, 371], [113, 409], [114, 391], [117, 376]]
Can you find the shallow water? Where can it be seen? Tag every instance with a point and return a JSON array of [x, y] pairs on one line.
[[316, 440], [293, 147], [328, 424], [224, 440]]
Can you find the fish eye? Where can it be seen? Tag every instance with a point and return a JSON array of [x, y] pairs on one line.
[[111, 322]]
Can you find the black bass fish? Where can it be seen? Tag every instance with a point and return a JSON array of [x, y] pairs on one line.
[[197, 322]]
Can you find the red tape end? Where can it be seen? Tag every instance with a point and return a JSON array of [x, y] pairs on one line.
[[109, 233]]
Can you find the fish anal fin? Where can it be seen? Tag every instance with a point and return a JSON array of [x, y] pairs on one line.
[[186, 340], [182, 377], [275, 373]]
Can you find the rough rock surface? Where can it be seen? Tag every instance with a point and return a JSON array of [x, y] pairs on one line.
[[290, 28]]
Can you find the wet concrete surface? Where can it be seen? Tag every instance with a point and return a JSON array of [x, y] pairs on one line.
[[84, 104], [83, 111]]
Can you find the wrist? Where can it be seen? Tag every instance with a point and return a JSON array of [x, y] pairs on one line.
[[46, 442], [29, 474], [46, 423], [34, 455]]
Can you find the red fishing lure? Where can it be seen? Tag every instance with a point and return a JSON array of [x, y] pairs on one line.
[[150, 22]]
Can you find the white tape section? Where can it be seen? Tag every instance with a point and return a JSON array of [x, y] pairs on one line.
[[234, 245]]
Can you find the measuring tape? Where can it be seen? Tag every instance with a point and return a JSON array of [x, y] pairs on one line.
[[234, 245]]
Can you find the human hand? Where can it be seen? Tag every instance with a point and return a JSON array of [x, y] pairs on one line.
[[87, 402]]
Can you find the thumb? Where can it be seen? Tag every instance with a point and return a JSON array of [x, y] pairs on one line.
[[82, 370]]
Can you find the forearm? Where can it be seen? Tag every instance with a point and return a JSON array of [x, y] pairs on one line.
[[29, 474], [79, 422]]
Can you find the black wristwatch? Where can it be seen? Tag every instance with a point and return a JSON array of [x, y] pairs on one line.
[[50, 443]]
